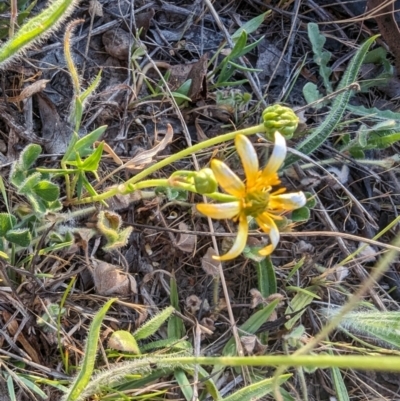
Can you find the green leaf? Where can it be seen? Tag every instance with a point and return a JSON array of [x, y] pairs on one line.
[[266, 277], [311, 200], [91, 88], [7, 222], [33, 387], [251, 25], [89, 356], [184, 384], [240, 44], [122, 340], [299, 302], [176, 329], [312, 94], [91, 163], [151, 326], [301, 214], [175, 344], [19, 236], [339, 384], [47, 190], [376, 327], [76, 114], [29, 183], [257, 390], [251, 325], [320, 135], [84, 146], [321, 57], [43, 23], [29, 155]]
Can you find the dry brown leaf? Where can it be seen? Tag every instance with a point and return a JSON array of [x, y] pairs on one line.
[[209, 265], [12, 329], [197, 72], [146, 157], [186, 242], [111, 280], [143, 21]]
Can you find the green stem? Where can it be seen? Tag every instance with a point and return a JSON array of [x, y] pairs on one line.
[[169, 160]]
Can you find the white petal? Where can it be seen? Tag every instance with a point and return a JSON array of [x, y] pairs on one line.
[[249, 159], [290, 201], [278, 156], [227, 210]]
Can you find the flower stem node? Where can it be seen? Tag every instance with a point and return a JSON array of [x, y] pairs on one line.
[[279, 118], [255, 198]]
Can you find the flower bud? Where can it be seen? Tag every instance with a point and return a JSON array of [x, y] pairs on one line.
[[205, 181], [279, 118]]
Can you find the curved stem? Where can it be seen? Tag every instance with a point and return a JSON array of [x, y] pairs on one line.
[[171, 159]]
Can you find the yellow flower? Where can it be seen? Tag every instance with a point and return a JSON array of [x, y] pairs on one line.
[[254, 198]]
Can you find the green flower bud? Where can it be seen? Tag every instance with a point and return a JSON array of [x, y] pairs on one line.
[[279, 118], [205, 181]]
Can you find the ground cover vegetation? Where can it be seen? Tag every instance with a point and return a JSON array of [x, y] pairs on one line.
[[199, 200]]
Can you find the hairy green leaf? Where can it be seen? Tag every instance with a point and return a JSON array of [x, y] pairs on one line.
[[19, 236], [7, 222], [319, 136], [35, 28]]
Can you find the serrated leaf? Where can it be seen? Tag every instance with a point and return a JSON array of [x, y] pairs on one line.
[[7, 222], [19, 236], [47, 190], [122, 340], [91, 88], [312, 94], [321, 57], [151, 326]]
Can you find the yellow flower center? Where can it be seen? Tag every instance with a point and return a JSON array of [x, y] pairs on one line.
[[255, 203]]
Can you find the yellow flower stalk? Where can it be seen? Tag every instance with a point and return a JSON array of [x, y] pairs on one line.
[[255, 198]]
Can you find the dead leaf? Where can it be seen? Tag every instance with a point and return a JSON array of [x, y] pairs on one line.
[[54, 131], [186, 242], [209, 265], [29, 91], [95, 8], [146, 157], [143, 21], [117, 43], [111, 280], [13, 329], [197, 72]]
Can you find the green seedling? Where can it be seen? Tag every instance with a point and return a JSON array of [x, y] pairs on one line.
[[228, 66]]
